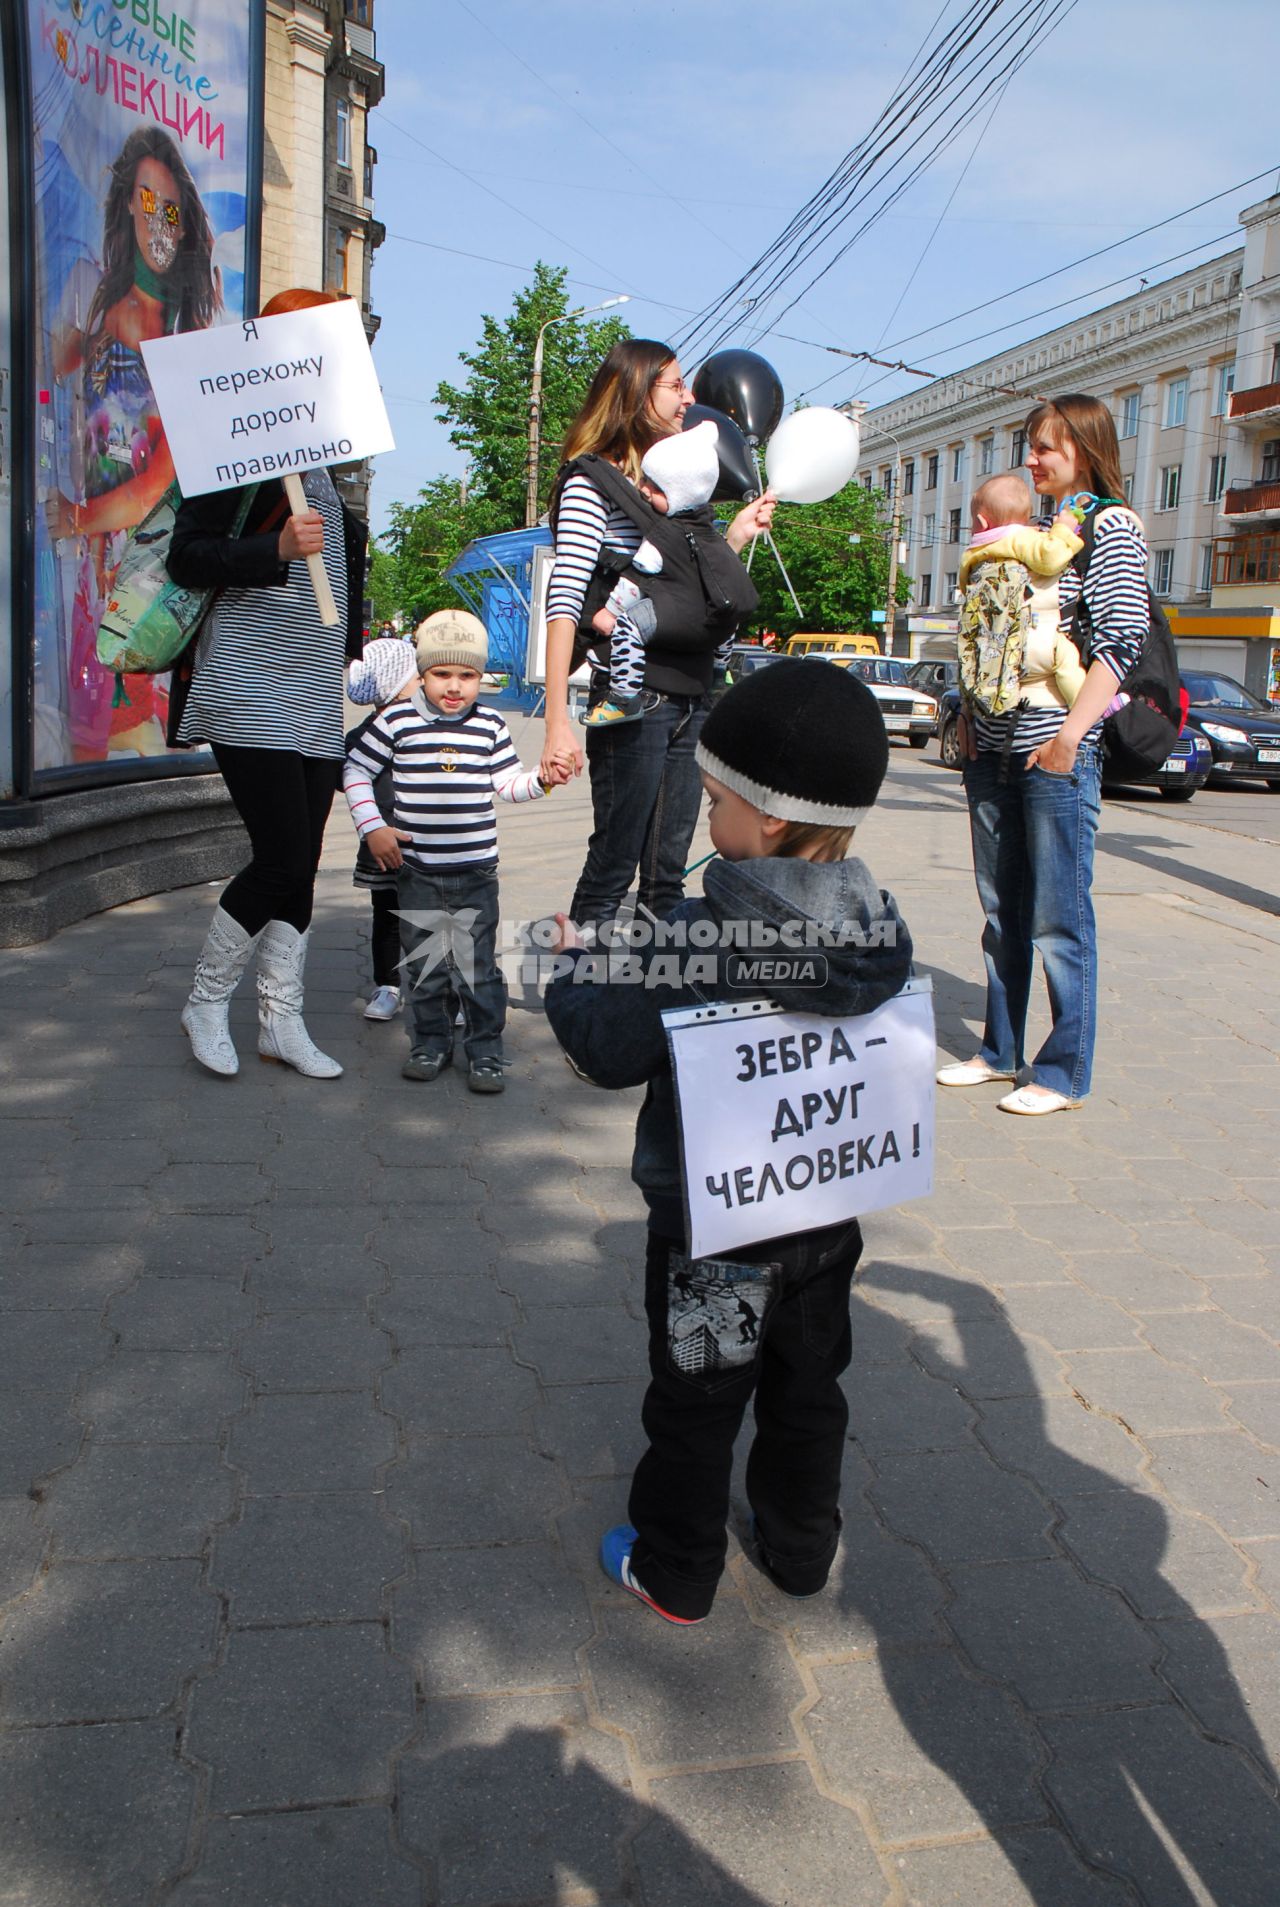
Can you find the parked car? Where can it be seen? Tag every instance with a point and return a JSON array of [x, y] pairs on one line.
[[832, 645], [1185, 768], [906, 711], [933, 675], [1242, 731]]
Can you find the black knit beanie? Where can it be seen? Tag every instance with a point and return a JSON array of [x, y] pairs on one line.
[[802, 740]]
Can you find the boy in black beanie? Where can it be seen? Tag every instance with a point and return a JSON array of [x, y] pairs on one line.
[[792, 760]]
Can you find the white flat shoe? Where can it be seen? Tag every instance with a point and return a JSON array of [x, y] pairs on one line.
[[970, 1072], [384, 1004], [1034, 1100]]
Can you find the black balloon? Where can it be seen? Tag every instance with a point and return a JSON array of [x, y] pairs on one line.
[[745, 387], [738, 476]]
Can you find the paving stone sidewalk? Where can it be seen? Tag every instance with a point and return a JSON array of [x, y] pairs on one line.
[[315, 1398]]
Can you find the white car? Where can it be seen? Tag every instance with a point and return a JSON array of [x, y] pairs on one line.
[[907, 712]]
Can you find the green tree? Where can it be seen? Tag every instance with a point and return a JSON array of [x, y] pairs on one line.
[[412, 555], [489, 414], [839, 582]]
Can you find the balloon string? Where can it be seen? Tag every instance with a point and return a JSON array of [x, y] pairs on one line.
[[697, 864], [768, 534]]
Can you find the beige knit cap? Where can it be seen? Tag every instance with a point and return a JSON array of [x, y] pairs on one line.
[[452, 636]]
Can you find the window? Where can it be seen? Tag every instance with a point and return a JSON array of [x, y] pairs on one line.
[[1130, 404], [1275, 364], [1270, 472], [957, 462], [953, 577], [1206, 566], [1224, 383], [370, 161], [1018, 450], [926, 586], [866, 479], [909, 477], [342, 133], [929, 534], [1170, 487], [1175, 403], [931, 480], [1128, 488], [339, 261], [986, 456], [1164, 572], [1217, 477], [953, 526]]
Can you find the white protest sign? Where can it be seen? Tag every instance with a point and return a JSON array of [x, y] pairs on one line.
[[790, 1122], [268, 397]]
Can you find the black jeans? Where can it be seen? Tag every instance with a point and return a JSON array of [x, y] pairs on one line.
[[645, 796], [284, 799], [451, 959], [773, 1324], [384, 937]]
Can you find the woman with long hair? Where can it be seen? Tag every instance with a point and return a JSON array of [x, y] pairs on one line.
[[645, 788], [266, 694], [158, 277], [1034, 798]]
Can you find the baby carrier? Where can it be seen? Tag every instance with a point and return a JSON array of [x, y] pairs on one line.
[[701, 594], [992, 640]]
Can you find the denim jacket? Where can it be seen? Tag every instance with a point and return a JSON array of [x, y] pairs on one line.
[[613, 1029]]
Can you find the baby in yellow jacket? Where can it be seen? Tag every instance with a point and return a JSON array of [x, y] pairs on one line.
[[1052, 673]]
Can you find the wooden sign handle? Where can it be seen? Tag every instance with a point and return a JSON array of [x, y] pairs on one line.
[[299, 506]]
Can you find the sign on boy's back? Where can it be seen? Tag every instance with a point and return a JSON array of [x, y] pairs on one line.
[[790, 1122], [268, 397]]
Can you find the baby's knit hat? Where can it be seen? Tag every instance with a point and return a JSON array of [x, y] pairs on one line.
[[801, 740], [452, 636], [381, 671], [686, 467]]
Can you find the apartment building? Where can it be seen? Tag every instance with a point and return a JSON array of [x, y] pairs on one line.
[[1190, 368]]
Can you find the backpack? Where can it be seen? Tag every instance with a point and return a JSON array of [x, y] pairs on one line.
[[149, 619], [700, 595], [1138, 737], [991, 642]]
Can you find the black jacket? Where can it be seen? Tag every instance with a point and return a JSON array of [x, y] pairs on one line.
[[614, 1030], [203, 554]]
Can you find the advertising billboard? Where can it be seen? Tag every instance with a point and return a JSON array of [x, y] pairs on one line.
[[145, 140]]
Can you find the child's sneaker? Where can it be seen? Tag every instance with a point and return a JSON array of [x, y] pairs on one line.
[[610, 714], [384, 1004], [424, 1065], [615, 1560], [485, 1076]]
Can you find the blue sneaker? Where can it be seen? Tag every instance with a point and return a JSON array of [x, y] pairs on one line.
[[615, 1560]]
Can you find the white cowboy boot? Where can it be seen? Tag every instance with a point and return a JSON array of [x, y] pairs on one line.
[[282, 955], [223, 959]]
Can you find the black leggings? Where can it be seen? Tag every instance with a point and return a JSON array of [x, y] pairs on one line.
[[284, 799], [384, 940]]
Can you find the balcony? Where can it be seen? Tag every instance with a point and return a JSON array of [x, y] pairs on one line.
[[1252, 503], [1261, 405], [1240, 561]]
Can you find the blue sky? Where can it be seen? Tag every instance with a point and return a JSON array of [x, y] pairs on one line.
[[710, 123]]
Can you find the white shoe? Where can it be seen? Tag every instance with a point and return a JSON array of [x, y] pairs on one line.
[[970, 1072], [223, 959], [384, 1004], [1033, 1100], [282, 955]]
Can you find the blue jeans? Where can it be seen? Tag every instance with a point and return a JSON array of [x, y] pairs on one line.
[[645, 797], [1033, 838], [446, 966]]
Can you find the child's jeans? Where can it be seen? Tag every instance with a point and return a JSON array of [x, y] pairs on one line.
[[773, 1323], [449, 931]]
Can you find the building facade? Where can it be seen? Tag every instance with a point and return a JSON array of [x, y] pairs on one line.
[[1190, 369], [323, 79]]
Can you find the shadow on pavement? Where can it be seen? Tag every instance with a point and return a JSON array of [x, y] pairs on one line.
[[1131, 848]]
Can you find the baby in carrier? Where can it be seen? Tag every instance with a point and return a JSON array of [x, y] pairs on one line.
[[680, 473], [1012, 652]]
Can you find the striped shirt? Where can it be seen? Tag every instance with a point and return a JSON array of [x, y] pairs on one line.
[[268, 673], [584, 522], [1115, 591], [446, 769]]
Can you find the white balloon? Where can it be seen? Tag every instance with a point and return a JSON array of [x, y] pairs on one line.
[[812, 454]]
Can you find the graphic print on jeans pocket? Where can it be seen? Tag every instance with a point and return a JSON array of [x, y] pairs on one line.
[[715, 1314]]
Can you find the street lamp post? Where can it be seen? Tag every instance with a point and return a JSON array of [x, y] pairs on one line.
[[895, 535], [535, 403]]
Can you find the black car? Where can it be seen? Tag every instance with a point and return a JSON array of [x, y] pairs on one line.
[[744, 660], [934, 674], [1185, 768], [1242, 732]]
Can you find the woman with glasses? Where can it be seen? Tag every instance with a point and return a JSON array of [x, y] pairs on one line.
[[645, 787]]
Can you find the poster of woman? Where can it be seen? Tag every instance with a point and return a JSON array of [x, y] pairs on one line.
[[142, 142]]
